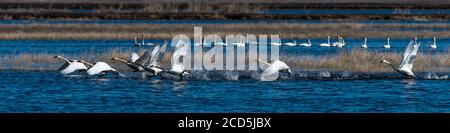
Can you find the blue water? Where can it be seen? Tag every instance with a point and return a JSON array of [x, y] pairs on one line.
[[49, 91], [52, 92]]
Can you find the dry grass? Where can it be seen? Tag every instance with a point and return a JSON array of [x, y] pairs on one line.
[[167, 31], [353, 61], [367, 62]]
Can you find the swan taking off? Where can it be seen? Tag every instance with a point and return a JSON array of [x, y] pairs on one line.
[[71, 66], [99, 68], [326, 44], [154, 66], [409, 56], [178, 68], [271, 73], [365, 43], [388, 44], [136, 63], [433, 45]]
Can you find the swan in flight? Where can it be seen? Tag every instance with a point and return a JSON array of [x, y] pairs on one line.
[[365, 43], [409, 56], [271, 73], [154, 66], [71, 66], [387, 45], [291, 44], [306, 44], [99, 68], [136, 63], [178, 69], [433, 45], [326, 44]]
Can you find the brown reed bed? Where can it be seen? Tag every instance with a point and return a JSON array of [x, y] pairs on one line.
[[360, 61], [167, 31]]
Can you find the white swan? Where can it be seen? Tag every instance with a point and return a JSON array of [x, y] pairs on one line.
[[365, 43], [409, 56], [340, 43], [99, 68], [328, 44], [291, 44], [178, 69], [142, 43], [71, 66], [271, 73], [136, 42], [387, 45], [306, 44], [334, 44], [433, 45]]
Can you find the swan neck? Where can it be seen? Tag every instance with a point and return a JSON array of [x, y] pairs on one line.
[[121, 60], [65, 59]]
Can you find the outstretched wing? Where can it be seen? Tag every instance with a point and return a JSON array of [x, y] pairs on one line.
[[99, 67], [134, 57], [144, 58], [72, 67], [180, 51], [272, 72], [409, 56], [156, 54]]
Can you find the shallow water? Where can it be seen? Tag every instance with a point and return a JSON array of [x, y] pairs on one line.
[[28, 91]]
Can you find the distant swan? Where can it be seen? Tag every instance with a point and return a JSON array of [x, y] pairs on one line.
[[219, 43], [241, 43], [71, 66], [365, 43], [433, 45], [340, 43], [326, 44], [142, 43], [291, 44], [387, 45], [306, 44], [271, 73], [409, 56], [99, 68]]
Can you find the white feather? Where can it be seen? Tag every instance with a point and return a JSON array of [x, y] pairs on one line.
[[271, 72], [134, 57], [72, 67], [99, 67]]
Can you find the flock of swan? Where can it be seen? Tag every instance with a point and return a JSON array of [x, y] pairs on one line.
[[149, 62], [339, 43]]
